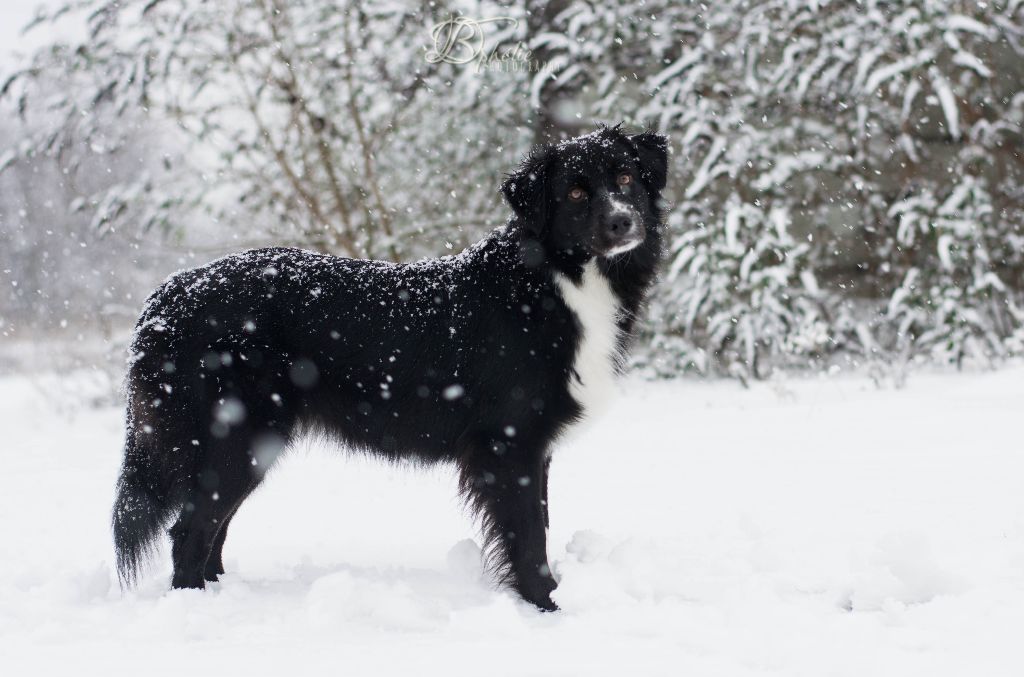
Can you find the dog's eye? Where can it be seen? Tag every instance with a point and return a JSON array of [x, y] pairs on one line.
[[576, 194], [625, 178]]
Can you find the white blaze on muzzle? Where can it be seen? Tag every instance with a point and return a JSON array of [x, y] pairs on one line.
[[618, 208]]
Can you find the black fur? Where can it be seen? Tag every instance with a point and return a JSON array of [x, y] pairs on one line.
[[465, 359]]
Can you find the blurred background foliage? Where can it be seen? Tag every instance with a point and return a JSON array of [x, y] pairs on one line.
[[846, 184]]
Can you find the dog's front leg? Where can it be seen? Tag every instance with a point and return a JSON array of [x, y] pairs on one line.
[[507, 490]]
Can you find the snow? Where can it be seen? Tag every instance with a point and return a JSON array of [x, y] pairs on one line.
[[959, 22], [15, 15], [948, 101], [819, 526], [889, 71]]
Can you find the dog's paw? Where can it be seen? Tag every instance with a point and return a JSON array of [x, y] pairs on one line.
[[547, 606]]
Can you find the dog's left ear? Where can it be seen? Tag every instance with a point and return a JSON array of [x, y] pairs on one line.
[[652, 151], [526, 191]]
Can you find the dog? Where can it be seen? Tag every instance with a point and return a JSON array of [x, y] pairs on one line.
[[481, 359]]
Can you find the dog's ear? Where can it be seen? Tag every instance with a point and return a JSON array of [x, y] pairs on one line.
[[652, 151], [526, 190]]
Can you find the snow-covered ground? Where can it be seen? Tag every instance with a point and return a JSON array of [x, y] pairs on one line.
[[814, 527]]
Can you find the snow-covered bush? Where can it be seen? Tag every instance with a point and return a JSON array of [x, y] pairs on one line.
[[743, 296], [886, 135], [960, 307], [837, 113], [312, 122]]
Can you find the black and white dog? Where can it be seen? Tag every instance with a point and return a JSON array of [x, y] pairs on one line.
[[481, 359]]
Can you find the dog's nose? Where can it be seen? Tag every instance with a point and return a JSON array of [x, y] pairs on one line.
[[620, 224]]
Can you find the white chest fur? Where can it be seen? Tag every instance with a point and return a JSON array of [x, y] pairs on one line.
[[596, 362]]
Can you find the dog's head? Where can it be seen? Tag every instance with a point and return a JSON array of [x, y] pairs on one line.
[[591, 196]]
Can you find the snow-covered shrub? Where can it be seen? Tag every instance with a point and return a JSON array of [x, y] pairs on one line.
[[951, 302], [311, 122], [743, 296], [888, 134], [835, 112]]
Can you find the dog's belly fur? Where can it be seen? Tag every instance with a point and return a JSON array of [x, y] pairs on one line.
[[596, 362]]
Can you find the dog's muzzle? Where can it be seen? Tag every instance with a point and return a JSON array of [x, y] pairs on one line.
[[623, 230], [624, 247]]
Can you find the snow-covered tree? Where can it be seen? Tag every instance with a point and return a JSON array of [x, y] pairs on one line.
[[836, 113], [311, 122], [960, 307], [326, 124], [742, 295]]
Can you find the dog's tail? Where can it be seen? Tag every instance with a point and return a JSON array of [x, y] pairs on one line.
[[143, 506]]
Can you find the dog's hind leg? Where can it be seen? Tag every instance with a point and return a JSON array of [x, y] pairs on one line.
[[224, 479], [215, 562], [262, 453], [192, 538], [507, 490]]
